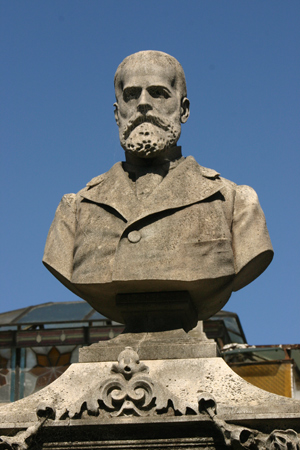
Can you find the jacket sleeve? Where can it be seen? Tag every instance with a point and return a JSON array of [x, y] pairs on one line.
[[251, 242], [58, 254]]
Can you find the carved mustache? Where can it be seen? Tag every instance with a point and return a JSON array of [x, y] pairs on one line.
[[138, 120]]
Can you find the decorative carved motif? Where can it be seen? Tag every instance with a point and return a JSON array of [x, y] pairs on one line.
[[22, 439], [283, 440], [241, 438], [129, 364], [25, 439], [129, 392]]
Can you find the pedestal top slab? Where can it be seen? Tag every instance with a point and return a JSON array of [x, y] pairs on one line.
[[184, 379]]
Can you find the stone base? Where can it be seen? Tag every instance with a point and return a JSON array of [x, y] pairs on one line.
[[155, 327], [167, 404], [174, 344]]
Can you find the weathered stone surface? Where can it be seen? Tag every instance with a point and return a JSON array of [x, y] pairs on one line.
[[158, 222], [173, 344], [186, 380], [143, 404]]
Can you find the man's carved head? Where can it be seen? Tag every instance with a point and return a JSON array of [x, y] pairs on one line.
[[151, 102]]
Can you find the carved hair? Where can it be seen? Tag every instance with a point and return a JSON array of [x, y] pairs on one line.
[[152, 56]]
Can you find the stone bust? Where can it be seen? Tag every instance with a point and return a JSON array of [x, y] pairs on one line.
[[158, 221]]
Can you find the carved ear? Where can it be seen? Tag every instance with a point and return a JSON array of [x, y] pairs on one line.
[[184, 110], [116, 113]]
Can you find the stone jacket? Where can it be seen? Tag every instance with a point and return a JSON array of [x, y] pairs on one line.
[[196, 231]]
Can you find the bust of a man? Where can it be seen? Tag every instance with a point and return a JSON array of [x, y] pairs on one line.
[[158, 221]]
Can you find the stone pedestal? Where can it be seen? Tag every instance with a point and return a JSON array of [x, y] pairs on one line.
[[186, 403], [174, 344], [155, 327]]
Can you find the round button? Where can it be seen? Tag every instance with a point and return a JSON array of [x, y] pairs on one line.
[[134, 236]]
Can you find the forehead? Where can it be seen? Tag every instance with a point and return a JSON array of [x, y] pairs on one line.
[[137, 74]]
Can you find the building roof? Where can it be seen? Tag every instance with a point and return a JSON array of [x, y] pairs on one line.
[[51, 313], [80, 313]]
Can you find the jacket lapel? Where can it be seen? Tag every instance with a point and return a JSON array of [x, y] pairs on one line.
[[113, 189], [188, 183]]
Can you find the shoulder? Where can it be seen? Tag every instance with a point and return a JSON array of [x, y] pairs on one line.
[[242, 194], [94, 181], [246, 194], [191, 163], [112, 173], [213, 174], [209, 173], [67, 204], [68, 199]]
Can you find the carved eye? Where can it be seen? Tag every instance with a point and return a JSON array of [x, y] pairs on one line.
[[158, 92], [131, 93]]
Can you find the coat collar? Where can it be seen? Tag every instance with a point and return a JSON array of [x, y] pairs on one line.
[[188, 183]]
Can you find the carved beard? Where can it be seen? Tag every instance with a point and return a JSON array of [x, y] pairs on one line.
[[147, 136]]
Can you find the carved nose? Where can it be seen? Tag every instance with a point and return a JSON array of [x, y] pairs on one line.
[[143, 108], [144, 104]]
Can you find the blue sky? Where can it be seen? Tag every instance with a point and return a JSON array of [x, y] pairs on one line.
[[241, 60]]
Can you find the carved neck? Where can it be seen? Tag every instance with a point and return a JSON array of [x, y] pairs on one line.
[[170, 154]]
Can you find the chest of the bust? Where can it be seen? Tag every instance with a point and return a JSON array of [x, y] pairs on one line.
[[169, 238], [209, 218]]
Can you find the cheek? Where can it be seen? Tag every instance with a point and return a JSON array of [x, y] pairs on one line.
[[126, 111], [169, 108]]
